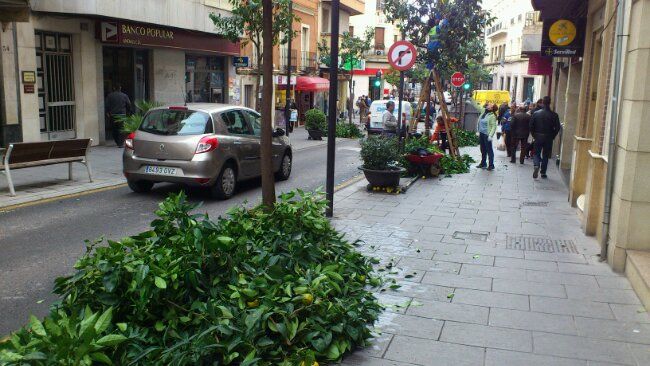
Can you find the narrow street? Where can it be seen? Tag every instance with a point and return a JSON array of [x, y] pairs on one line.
[[42, 242]]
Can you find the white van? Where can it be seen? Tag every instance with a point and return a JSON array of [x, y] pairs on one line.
[[377, 109]]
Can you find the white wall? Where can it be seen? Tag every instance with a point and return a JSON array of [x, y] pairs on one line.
[[168, 76], [187, 14]]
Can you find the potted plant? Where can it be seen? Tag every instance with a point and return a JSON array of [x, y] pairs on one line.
[[380, 155], [316, 124]]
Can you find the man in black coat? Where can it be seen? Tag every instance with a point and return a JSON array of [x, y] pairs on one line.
[[544, 126], [519, 129]]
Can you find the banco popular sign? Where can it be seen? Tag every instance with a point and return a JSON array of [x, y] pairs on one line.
[[563, 37], [145, 35]]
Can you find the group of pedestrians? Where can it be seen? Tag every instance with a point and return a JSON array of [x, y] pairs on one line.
[[517, 126]]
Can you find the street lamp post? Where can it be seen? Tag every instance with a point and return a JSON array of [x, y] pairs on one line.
[[331, 126], [287, 108]]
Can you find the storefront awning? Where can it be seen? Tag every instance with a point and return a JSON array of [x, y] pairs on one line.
[[14, 10], [561, 8], [312, 83]]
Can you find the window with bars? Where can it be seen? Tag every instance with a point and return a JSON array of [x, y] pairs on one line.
[[55, 80]]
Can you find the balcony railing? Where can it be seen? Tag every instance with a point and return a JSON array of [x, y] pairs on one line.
[[284, 59], [496, 29], [532, 18], [308, 61]]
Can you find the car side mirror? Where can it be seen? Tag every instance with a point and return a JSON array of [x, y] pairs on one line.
[[278, 132]]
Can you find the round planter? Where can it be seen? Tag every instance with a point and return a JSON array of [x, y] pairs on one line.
[[315, 134], [383, 178]]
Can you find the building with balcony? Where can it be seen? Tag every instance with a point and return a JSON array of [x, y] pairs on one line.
[[61, 58], [385, 34], [506, 44]]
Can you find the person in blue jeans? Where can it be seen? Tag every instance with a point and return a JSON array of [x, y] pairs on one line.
[[487, 126]]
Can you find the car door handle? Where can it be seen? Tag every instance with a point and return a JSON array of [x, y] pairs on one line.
[[237, 142]]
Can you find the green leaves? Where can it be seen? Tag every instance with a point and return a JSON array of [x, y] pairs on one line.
[[160, 283], [259, 287], [379, 153]]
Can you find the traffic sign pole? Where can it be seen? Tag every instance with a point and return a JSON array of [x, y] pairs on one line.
[[399, 111]]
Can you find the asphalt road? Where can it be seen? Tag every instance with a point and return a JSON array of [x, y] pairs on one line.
[[42, 242]]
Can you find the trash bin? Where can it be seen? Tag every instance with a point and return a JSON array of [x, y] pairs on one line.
[[470, 117]]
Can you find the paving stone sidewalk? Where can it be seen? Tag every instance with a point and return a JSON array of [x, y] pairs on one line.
[[494, 270], [46, 182]]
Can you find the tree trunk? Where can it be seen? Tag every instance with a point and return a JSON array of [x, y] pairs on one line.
[[268, 183], [258, 72], [351, 112]]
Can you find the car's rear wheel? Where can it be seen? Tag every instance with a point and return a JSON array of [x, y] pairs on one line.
[[226, 183], [285, 167], [140, 186]]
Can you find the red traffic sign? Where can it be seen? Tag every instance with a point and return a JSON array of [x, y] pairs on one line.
[[457, 79], [402, 55]]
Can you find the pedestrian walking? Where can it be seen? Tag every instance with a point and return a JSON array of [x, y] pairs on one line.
[[519, 130], [487, 126], [505, 127], [389, 122], [363, 109], [118, 105], [544, 126]]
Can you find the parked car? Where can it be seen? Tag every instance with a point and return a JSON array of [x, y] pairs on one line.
[[208, 145], [377, 109]]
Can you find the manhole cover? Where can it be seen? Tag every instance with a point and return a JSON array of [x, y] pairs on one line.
[[535, 244], [469, 236], [534, 203]]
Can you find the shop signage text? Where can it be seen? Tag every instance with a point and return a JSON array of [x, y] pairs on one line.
[[145, 35], [563, 37], [241, 61], [29, 77]]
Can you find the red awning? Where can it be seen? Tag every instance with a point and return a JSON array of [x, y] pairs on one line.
[[312, 83]]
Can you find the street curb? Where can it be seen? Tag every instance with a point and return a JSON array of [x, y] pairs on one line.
[[349, 182], [61, 197]]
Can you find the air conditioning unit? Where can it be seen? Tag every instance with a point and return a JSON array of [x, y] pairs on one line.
[[379, 52]]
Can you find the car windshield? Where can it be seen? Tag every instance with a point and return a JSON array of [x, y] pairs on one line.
[[176, 122]]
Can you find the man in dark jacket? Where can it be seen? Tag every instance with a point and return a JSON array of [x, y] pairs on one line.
[[519, 129], [544, 126], [117, 106]]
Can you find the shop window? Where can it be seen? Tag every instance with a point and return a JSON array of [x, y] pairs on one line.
[[205, 79]]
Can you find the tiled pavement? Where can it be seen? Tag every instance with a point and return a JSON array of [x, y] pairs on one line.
[[468, 301], [46, 182]]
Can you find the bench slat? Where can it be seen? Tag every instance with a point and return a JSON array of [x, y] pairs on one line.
[[29, 164], [27, 152]]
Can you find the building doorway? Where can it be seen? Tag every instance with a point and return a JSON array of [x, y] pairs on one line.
[[204, 79], [55, 79], [529, 89], [128, 68]]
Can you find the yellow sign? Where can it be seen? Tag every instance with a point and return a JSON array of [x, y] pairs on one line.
[[562, 32], [491, 96]]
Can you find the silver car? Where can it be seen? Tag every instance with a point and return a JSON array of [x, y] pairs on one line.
[[208, 145]]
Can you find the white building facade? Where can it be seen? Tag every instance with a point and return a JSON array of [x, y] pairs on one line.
[[506, 53], [61, 60]]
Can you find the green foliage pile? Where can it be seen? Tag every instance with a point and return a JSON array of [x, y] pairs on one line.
[[458, 165], [132, 123], [348, 130], [315, 119], [379, 152], [465, 138], [261, 287]]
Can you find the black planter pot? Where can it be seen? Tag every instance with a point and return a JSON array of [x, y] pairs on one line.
[[383, 178], [315, 134]]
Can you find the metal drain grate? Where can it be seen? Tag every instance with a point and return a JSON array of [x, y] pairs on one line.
[[534, 204], [536, 244], [469, 236]]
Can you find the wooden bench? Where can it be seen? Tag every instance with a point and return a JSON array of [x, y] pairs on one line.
[[30, 154]]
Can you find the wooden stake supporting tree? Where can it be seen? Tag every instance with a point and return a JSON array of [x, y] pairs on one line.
[[451, 136], [425, 97]]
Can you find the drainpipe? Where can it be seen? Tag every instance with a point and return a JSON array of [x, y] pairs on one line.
[[19, 109], [615, 112]]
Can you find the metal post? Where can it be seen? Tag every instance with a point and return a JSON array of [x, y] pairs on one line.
[[331, 130], [399, 110], [287, 110]]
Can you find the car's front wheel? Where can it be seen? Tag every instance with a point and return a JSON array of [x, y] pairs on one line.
[[226, 183], [140, 186], [285, 167]]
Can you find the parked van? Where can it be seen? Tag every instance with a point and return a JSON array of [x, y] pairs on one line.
[[491, 96], [377, 109]]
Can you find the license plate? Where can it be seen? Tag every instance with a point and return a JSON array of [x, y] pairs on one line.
[[161, 170]]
